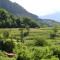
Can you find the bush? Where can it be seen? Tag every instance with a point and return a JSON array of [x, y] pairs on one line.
[[1, 44], [24, 56], [40, 42], [6, 34], [8, 46], [52, 35], [42, 52], [37, 55], [56, 52]]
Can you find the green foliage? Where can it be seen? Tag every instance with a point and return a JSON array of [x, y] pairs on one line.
[[23, 56], [25, 34], [5, 34], [40, 42], [53, 35], [35, 46], [17, 10], [55, 29], [8, 46], [56, 51], [22, 35], [3, 14], [11, 21], [1, 44], [29, 22], [28, 29]]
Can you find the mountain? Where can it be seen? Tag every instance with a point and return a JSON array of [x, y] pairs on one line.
[[15, 9], [54, 16], [50, 22], [18, 10]]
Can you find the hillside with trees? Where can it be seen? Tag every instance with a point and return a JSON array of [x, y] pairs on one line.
[[10, 21], [17, 10]]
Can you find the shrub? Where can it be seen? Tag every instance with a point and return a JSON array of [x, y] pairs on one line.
[[1, 44], [42, 52], [37, 55], [40, 42], [52, 35], [8, 46], [24, 56], [22, 36], [6, 34], [56, 52]]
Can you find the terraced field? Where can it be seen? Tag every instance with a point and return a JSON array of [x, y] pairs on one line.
[[33, 34], [51, 48]]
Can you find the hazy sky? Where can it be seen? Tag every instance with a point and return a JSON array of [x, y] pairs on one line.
[[40, 7]]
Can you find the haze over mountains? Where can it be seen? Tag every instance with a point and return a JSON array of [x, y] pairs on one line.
[[18, 10], [54, 16], [49, 9]]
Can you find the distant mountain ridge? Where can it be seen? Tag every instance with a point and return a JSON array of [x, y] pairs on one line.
[[55, 16], [18, 10]]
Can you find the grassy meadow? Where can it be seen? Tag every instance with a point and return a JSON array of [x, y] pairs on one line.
[[37, 44]]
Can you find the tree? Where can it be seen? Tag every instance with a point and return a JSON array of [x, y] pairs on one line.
[[53, 35], [5, 34], [8, 20], [30, 22], [3, 14], [40, 42], [8, 46], [27, 32], [22, 36]]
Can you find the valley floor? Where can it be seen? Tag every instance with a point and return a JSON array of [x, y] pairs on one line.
[[38, 44]]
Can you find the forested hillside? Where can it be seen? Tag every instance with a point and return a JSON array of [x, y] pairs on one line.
[[10, 21], [17, 10]]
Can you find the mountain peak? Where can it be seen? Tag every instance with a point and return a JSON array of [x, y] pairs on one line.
[[15, 9]]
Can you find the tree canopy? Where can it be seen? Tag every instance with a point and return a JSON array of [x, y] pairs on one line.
[[7, 20]]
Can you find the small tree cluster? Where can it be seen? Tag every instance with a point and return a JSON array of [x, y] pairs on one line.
[[24, 34], [10, 21], [5, 34], [40, 42], [8, 46], [23, 57], [53, 35], [1, 44]]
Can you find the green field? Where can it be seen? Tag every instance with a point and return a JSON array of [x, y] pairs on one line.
[[47, 49]]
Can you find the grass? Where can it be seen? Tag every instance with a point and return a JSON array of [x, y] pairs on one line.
[[14, 34]]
